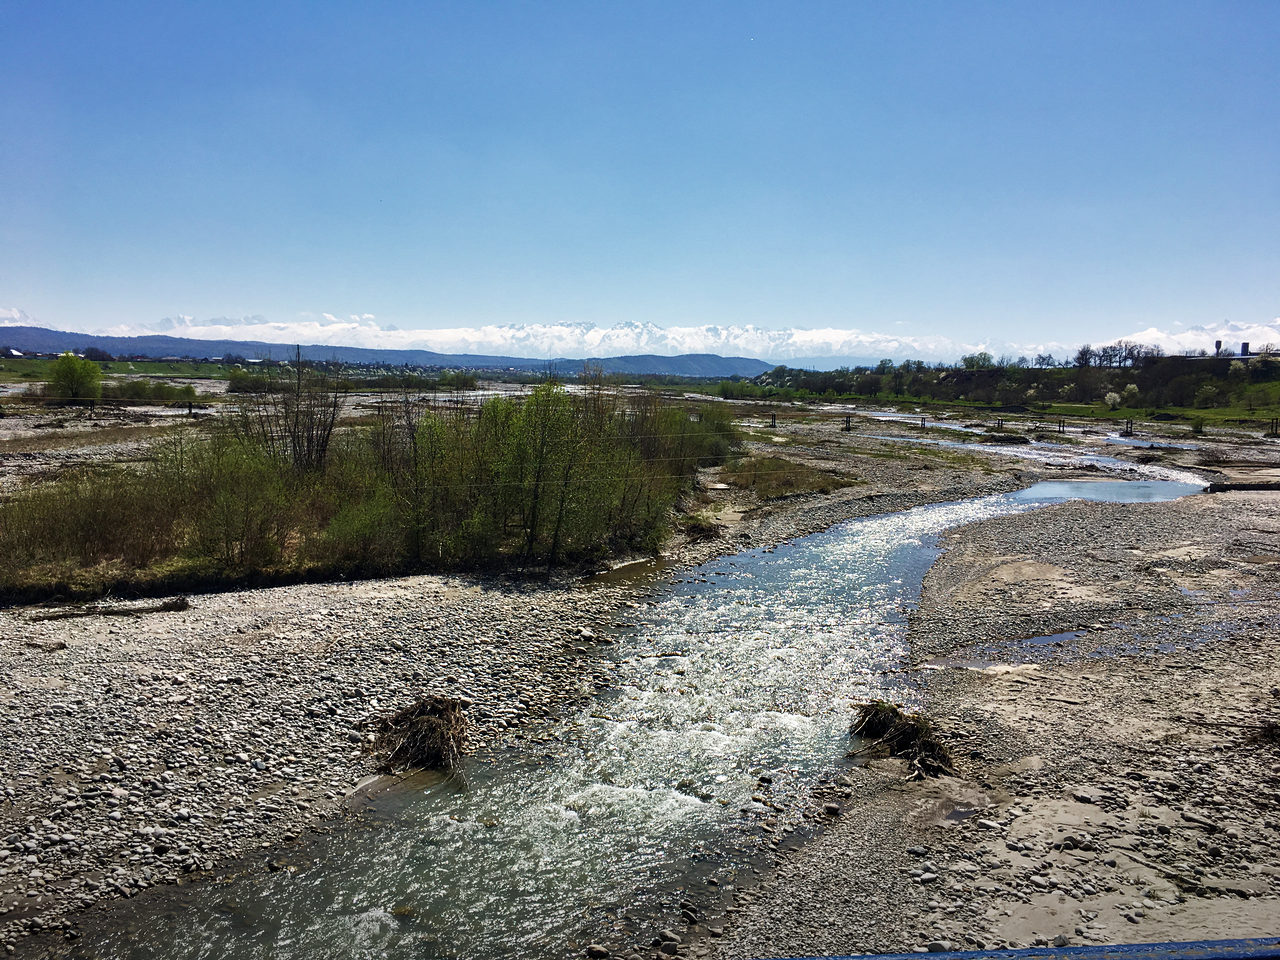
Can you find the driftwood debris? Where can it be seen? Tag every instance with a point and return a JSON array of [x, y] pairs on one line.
[[1266, 731], [175, 605], [428, 734], [889, 731]]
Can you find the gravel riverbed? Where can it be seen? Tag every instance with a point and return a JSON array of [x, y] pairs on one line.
[[158, 748], [146, 749]]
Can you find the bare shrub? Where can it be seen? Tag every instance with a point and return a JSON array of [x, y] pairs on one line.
[[294, 417]]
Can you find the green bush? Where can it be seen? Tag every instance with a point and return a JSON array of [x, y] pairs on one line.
[[74, 379], [550, 478], [242, 381]]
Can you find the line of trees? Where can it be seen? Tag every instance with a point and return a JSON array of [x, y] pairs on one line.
[[148, 391], [1121, 375]]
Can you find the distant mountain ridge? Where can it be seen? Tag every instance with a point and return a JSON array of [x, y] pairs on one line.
[[30, 339]]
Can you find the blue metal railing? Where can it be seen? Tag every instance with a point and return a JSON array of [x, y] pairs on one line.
[[1254, 949]]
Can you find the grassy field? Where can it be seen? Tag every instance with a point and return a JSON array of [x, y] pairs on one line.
[[1237, 415], [36, 369]]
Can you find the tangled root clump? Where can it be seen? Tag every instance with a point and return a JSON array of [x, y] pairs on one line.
[[891, 732], [428, 734]]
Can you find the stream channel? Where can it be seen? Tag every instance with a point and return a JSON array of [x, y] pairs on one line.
[[742, 669]]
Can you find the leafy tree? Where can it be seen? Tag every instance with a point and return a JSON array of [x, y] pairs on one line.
[[1008, 391], [72, 378], [1208, 396], [978, 361]]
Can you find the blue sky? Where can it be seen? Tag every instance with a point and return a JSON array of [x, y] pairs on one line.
[[1005, 172]]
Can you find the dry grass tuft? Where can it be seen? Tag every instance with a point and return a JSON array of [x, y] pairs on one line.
[[700, 527], [773, 477]]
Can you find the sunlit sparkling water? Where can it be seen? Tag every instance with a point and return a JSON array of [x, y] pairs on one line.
[[746, 666]]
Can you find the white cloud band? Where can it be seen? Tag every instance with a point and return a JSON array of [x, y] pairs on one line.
[[577, 340]]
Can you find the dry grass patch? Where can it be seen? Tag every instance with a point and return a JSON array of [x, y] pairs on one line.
[[772, 477], [64, 436], [699, 526]]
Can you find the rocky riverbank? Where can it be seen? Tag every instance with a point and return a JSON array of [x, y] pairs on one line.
[[1104, 675], [142, 750]]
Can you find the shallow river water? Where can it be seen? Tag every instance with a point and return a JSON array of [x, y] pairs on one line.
[[744, 668]]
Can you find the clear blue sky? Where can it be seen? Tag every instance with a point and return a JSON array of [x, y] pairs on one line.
[[951, 168]]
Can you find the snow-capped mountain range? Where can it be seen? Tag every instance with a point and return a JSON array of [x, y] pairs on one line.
[[795, 345]]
